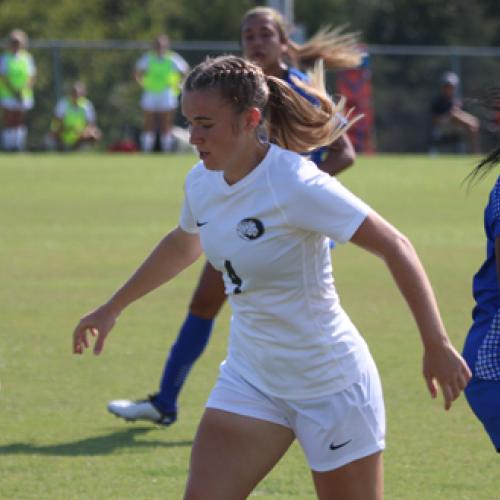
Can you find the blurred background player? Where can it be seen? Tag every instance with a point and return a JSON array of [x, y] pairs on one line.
[[450, 123], [265, 41], [482, 345], [159, 72], [17, 77], [74, 121]]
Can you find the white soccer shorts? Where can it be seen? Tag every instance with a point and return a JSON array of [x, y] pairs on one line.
[[13, 104], [157, 102], [332, 431]]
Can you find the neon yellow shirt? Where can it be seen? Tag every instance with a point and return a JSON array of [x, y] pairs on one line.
[[161, 74], [74, 120], [18, 71]]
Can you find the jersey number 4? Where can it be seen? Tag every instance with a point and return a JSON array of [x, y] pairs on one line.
[[235, 279]]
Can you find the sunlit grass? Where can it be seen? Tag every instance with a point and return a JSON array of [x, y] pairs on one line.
[[74, 227]]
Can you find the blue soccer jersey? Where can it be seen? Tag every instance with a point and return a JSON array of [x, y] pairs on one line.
[[482, 346], [290, 76]]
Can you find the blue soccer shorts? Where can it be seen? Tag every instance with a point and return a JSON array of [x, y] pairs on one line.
[[483, 397]]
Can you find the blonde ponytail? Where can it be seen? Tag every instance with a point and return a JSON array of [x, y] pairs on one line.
[[291, 121], [295, 124]]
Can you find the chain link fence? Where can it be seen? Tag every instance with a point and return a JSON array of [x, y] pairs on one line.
[[404, 79]]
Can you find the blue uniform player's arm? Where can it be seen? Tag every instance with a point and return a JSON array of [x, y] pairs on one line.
[[340, 156]]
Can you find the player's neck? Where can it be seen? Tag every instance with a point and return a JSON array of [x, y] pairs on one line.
[[245, 163]]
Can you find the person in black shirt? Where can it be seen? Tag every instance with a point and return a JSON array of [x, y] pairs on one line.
[[449, 120]]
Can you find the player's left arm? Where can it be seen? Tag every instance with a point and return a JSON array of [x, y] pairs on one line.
[[442, 364], [340, 156]]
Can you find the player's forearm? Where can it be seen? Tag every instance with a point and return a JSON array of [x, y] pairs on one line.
[[334, 164], [138, 77], [341, 155], [169, 258], [411, 278]]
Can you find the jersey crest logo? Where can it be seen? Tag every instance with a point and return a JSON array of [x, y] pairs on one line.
[[250, 229]]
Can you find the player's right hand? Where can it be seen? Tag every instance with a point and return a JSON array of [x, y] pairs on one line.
[[97, 323]]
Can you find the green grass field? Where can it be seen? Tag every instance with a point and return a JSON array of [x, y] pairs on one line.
[[74, 227]]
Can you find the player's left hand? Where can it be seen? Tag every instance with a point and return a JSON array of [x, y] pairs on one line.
[[445, 367]]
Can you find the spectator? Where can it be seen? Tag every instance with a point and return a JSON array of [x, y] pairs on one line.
[[74, 122], [450, 123], [17, 76], [159, 73]]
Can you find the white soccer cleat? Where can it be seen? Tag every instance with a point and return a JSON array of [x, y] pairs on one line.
[[140, 410]]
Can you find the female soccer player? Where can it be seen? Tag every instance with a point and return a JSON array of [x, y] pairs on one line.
[[265, 41], [482, 345], [159, 73], [74, 122], [17, 77], [296, 366]]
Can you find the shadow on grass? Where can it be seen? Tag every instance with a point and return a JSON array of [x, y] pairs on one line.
[[101, 445]]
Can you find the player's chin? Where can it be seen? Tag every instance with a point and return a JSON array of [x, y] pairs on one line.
[[209, 163]]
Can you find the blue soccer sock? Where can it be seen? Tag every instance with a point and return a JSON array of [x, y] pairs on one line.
[[191, 342]]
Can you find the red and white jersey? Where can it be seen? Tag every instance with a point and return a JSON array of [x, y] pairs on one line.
[[269, 235]]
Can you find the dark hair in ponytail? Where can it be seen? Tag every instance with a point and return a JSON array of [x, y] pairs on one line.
[[491, 102]]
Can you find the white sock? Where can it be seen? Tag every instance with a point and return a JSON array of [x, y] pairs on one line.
[[8, 138], [167, 141], [5, 139], [20, 134], [147, 141]]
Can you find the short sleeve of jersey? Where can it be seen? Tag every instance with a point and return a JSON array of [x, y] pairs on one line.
[[60, 108], [314, 201], [187, 220], [495, 205], [90, 112], [3, 68], [142, 63], [180, 63], [31, 65]]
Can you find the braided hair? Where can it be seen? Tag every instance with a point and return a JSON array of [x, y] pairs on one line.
[[290, 119]]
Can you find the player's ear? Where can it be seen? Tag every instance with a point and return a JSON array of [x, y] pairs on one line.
[[253, 117]]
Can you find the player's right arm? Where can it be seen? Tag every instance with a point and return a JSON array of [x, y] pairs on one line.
[[140, 69], [174, 253], [138, 77]]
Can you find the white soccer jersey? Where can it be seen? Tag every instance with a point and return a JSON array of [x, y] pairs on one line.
[[269, 233]]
